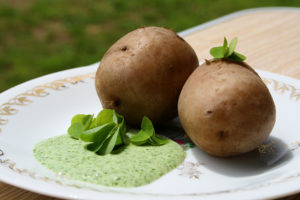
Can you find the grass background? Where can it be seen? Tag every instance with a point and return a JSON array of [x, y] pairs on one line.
[[38, 37]]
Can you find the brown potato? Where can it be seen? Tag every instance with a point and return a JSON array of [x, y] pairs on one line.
[[143, 73], [226, 109]]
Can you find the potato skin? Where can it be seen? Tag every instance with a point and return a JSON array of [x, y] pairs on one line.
[[226, 109], [143, 73]]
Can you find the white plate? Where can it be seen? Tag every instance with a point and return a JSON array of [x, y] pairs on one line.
[[43, 107]]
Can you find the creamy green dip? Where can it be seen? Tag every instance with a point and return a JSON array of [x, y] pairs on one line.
[[132, 167]]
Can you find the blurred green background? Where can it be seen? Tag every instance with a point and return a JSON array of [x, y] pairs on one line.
[[38, 37]]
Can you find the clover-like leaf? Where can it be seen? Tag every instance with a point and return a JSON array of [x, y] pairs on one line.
[[147, 135], [217, 52], [237, 57], [232, 46], [107, 132], [225, 48], [110, 142], [79, 123], [140, 138], [94, 147], [122, 133], [93, 123], [92, 135], [115, 117], [147, 125], [159, 140], [99, 141], [225, 43], [104, 117], [85, 120], [225, 52], [75, 130]]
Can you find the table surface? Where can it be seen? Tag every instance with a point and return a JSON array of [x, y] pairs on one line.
[[270, 38]]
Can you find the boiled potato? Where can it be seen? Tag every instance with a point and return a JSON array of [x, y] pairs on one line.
[[225, 108], [143, 73]]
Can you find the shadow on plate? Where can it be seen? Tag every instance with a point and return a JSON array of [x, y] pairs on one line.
[[172, 129], [272, 154]]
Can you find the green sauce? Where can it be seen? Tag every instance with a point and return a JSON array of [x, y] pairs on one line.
[[132, 167]]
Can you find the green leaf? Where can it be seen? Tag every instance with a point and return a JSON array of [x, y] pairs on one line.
[[232, 46], [75, 130], [159, 140], [99, 140], [237, 57], [93, 123], [78, 118], [115, 117], [119, 140], [147, 126], [107, 132], [225, 47], [225, 43], [110, 143], [122, 133], [120, 118], [93, 135], [226, 52], [104, 132], [79, 123], [240, 56], [140, 138], [145, 133], [217, 52], [122, 125], [150, 141], [85, 120], [104, 117], [94, 147]]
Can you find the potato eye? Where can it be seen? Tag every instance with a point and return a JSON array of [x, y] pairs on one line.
[[209, 112], [116, 103], [222, 134]]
